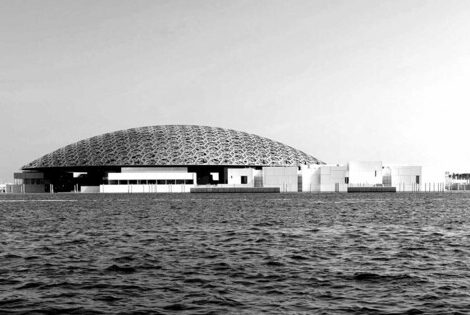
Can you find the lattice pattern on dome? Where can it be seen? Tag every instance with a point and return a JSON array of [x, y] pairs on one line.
[[174, 145]]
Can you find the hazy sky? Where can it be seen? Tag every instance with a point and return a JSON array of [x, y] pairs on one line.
[[341, 80]]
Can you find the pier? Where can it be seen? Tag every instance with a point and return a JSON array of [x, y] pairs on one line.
[[372, 189], [235, 190]]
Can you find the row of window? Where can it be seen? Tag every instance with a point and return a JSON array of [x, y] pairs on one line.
[[33, 181], [151, 182]]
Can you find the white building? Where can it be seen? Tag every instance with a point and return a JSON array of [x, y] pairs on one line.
[[176, 158], [147, 180], [365, 173], [338, 178], [404, 178], [306, 178], [286, 178]]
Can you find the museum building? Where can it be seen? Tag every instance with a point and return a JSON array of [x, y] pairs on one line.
[[178, 158]]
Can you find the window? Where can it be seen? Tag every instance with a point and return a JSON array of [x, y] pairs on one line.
[[161, 182], [189, 182], [346, 180], [113, 182], [133, 182], [170, 181], [179, 181], [152, 181], [244, 179], [417, 179], [123, 182], [142, 181]]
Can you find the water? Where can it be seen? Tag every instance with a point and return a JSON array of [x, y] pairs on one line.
[[238, 253]]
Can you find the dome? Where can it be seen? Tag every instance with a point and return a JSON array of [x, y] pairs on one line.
[[174, 145]]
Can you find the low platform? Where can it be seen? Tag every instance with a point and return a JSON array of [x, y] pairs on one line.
[[235, 190], [372, 189]]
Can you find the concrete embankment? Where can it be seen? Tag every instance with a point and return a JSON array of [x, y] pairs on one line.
[[235, 190], [371, 189]]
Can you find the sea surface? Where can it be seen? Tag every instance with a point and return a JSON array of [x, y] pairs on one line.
[[235, 254]]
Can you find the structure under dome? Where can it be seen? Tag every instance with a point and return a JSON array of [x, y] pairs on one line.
[[178, 158], [159, 159]]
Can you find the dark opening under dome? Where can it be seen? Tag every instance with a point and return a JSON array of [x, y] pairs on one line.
[[174, 145]]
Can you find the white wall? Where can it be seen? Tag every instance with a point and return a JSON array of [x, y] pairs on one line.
[[155, 174], [234, 177], [404, 177], [327, 178], [137, 176], [145, 188], [365, 173], [333, 177], [310, 177], [286, 178], [154, 169]]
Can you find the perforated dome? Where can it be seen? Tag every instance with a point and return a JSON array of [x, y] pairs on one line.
[[174, 145]]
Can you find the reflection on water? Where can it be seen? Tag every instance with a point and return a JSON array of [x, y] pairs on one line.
[[237, 253]]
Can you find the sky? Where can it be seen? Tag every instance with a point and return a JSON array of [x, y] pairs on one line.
[[341, 80]]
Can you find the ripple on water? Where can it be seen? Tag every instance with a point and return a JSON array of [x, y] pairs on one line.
[[301, 253]]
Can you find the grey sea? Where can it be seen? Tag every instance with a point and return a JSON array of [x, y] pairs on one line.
[[235, 253]]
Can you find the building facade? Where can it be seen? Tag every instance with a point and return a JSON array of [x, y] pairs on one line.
[[340, 178], [170, 158], [177, 158]]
